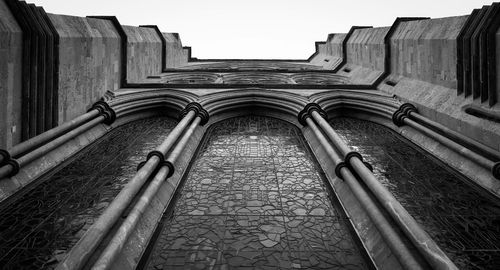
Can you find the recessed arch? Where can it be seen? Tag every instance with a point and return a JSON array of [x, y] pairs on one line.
[[255, 197]]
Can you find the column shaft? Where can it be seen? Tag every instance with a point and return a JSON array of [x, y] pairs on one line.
[[480, 160], [399, 249], [126, 228], [8, 169], [84, 248], [424, 243]]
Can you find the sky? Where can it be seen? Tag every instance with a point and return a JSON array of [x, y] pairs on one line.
[[259, 29]]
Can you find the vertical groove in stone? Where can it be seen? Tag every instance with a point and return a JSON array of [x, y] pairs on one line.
[[489, 74], [468, 51], [461, 52]]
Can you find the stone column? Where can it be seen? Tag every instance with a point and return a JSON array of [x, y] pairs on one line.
[[34, 148], [343, 171], [422, 241], [408, 114], [85, 247], [165, 170]]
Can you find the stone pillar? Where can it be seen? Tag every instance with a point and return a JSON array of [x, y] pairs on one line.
[[156, 164], [14, 159], [354, 162]]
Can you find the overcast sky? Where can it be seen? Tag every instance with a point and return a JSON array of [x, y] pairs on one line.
[[277, 29]]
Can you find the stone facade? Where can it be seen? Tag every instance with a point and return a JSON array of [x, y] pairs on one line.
[[129, 153]]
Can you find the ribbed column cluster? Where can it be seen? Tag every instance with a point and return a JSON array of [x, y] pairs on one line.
[[159, 165], [12, 160], [407, 114], [351, 168]]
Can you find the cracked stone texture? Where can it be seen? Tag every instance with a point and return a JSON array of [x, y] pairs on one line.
[[462, 220], [254, 199]]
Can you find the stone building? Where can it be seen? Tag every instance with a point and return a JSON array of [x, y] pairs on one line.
[[122, 151]]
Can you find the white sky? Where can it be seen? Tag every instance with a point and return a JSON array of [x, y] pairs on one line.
[[267, 29]]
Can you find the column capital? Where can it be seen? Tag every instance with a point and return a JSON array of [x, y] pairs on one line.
[[4, 157], [403, 112], [171, 168], [495, 170], [307, 112], [104, 110], [199, 112]]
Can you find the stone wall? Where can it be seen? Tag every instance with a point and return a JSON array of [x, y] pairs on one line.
[[89, 54], [174, 54], [143, 53], [329, 54], [426, 50], [10, 78], [90, 64], [365, 52], [424, 73]]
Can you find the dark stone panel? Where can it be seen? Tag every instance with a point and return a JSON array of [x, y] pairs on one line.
[[48, 74], [39, 228], [469, 49], [462, 220], [52, 72], [461, 53], [479, 55], [39, 94], [491, 59], [254, 199]]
